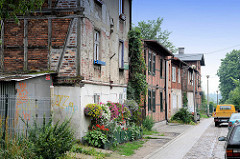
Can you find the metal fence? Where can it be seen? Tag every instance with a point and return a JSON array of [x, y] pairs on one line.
[[17, 113]]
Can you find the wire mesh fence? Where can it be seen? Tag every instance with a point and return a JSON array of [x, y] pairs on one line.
[[17, 114]]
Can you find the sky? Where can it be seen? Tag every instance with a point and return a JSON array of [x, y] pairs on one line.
[[211, 27]]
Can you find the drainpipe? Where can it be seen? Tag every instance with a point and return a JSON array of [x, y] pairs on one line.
[[166, 91]]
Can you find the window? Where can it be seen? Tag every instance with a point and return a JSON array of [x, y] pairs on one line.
[[121, 54], [153, 101], [174, 74], [179, 75], [154, 64], [149, 61], [96, 45], [149, 100], [96, 98], [161, 101], [121, 98]]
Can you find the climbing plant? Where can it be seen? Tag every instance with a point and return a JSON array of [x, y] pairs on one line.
[[137, 85]]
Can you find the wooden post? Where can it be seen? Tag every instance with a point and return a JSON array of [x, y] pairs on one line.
[[25, 43]]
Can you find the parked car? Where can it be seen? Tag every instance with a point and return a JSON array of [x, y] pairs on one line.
[[232, 145], [235, 117]]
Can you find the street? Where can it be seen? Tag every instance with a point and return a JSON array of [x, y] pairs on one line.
[[200, 142]]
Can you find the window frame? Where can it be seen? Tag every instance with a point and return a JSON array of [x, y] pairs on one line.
[[121, 54], [179, 75], [96, 55], [173, 74]]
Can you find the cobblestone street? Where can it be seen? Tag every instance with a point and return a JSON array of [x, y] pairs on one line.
[[208, 146]]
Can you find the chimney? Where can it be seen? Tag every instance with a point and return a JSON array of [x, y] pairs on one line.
[[181, 50]]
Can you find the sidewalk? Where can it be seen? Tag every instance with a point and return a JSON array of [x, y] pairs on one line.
[[167, 133]]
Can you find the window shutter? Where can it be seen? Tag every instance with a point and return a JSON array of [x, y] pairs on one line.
[[149, 61], [154, 63], [154, 101], [149, 100], [161, 101]]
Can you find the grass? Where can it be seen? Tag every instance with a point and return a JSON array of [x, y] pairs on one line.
[[147, 132], [128, 149], [203, 116], [78, 148], [161, 134]]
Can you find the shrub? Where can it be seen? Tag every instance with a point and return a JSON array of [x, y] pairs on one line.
[[148, 123], [96, 138], [51, 141], [183, 115]]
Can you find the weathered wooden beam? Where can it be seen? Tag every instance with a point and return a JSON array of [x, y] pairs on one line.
[[25, 43], [78, 56], [65, 46], [2, 47]]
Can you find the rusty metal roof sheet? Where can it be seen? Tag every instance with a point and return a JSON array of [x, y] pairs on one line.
[[20, 77]]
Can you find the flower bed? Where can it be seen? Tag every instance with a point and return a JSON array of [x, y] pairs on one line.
[[110, 125]]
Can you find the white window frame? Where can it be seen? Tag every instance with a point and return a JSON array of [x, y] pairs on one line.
[[96, 98], [121, 54], [173, 74], [96, 45], [179, 75]]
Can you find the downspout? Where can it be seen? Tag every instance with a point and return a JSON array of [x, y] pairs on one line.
[[130, 18], [166, 91]]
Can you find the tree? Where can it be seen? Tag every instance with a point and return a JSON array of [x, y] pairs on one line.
[[230, 68], [151, 30], [11, 8], [234, 95]]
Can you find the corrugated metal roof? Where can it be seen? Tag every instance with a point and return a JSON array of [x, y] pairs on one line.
[[191, 57], [20, 77]]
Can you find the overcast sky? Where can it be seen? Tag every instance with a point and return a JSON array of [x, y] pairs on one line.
[[211, 27]]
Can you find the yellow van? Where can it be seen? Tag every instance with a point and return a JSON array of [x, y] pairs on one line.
[[223, 113]]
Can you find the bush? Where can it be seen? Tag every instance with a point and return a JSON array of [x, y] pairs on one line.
[[183, 115], [51, 141], [148, 123], [96, 138]]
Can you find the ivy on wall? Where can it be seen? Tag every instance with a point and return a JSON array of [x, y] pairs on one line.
[[137, 85]]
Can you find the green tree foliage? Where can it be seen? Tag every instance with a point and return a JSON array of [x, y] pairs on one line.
[[203, 103], [151, 30], [234, 95], [230, 68], [11, 8], [137, 85]]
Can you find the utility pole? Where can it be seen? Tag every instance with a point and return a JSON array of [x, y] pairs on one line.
[[207, 95], [217, 97], [194, 94]]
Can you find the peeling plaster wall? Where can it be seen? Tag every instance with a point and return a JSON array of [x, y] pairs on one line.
[[70, 102]]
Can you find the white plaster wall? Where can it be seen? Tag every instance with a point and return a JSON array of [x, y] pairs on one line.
[[190, 100], [176, 100], [70, 102]]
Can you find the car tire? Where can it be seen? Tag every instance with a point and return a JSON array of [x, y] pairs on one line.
[[216, 124]]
